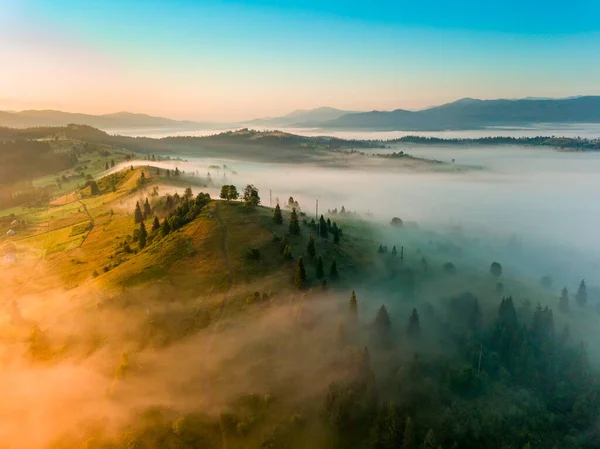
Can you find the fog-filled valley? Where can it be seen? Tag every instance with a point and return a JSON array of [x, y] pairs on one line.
[[442, 295]]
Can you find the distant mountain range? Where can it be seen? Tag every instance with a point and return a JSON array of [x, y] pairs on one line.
[[470, 113], [467, 113], [304, 117], [119, 120]]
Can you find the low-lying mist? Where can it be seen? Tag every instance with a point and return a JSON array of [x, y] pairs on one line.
[[534, 206]]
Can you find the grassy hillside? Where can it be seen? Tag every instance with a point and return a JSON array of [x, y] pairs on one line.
[[204, 337]]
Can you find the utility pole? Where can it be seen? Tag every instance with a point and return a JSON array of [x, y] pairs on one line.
[[317, 219]]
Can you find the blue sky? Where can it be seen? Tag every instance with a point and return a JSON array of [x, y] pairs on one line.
[[227, 60]]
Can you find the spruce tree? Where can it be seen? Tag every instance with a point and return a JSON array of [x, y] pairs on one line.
[[323, 231], [563, 303], [402, 253], [320, 270], [383, 325], [165, 228], [137, 215], [353, 308], [414, 328], [581, 296], [106, 166], [142, 236], [155, 225], [300, 276], [294, 224], [429, 441], [112, 163], [287, 252], [147, 210], [310, 247], [409, 440], [277, 217], [336, 234], [329, 224], [380, 249], [394, 252], [333, 272]]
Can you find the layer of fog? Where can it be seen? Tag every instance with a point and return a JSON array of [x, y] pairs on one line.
[[542, 196], [586, 130]]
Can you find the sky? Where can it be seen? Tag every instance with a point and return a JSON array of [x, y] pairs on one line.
[[232, 60]]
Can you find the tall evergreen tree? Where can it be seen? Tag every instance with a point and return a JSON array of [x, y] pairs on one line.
[[165, 227], [323, 231], [333, 272], [287, 252], [409, 440], [329, 224], [137, 215], [294, 224], [414, 328], [300, 276], [106, 166], [142, 236], [320, 270], [310, 247], [581, 296], [336, 233], [112, 162], [147, 210], [563, 302], [383, 324], [380, 249], [402, 253], [394, 251], [155, 224], [429, 442], [353, 309], [277, 217]]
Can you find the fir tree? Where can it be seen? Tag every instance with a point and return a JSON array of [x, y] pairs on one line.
[[310, 247], [287, 252], [165, 227], [277, 217], [380, 249], [137, 215], [402, 253], [188, 194], [300, 276], [581, 296], [429, 441], [414, 328], [409, 440], [147, 210], [323, 231], [177, 172], [142, 236], [155, 225], [383, 325], [353, 308], [106, 166], [336, 234], [333, 272], [329, 224], [112, 163], [142, 179], [294, 224], [320, 270], [394, 252], [563, 303]]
